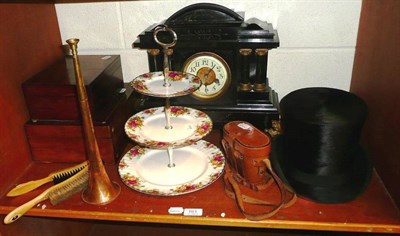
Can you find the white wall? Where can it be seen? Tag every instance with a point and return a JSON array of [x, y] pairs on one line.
[[317, 37]]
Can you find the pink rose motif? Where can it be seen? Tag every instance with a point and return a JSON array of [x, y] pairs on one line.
[[135, 152], [177, 110], [172, 74], [139, 85], [133, 181], [190, 187], [218, 158], [175, 76], [161, 144], [136, 122], [205, 126], [201, 114], [149, 111], [122, 165]]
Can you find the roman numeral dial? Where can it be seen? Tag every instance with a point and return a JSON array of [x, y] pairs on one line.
[[213, 71]]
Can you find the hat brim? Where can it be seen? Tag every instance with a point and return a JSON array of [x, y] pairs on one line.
[[355, 184]]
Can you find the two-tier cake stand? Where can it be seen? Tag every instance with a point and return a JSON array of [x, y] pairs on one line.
[[171, 158]]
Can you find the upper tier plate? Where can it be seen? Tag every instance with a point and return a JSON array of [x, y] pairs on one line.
[[152, 84], [148, 127]]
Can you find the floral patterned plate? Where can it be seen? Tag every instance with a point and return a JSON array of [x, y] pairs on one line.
[[148, 127], [196, 166], [152, 84]]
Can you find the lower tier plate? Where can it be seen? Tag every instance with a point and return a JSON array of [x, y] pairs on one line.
[[196, 166]]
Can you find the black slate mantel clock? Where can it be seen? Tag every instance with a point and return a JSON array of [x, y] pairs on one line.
[[229, 55]]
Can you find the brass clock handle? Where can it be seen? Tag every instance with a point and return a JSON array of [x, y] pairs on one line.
[[163, 28]]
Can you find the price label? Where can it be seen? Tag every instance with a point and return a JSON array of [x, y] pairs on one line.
[[244, 126], [175, 210], [106, 57], [193, 212]]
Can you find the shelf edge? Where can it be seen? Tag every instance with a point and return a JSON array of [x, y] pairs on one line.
[[211, 221]]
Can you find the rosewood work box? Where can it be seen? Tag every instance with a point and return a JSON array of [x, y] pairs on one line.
[[62, 141], [52, 95]]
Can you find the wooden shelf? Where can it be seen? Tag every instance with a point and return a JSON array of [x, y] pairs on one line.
[[374, 211]]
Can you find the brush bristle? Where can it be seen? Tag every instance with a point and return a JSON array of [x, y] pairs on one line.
[[68, 173], [69, 187]]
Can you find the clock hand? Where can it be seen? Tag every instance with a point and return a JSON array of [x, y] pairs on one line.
[[212, 68]]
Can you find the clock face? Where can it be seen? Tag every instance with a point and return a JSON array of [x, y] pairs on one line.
[[213, 71]]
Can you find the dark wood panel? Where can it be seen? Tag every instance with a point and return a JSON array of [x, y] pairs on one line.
[[29, 226], [376, 78], [68, 150], [62, 130], [30, 41]]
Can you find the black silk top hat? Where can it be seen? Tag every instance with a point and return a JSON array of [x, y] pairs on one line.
[[319, 154]]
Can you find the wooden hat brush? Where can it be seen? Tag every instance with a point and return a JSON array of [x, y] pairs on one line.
[[55, 177], [56, 194]]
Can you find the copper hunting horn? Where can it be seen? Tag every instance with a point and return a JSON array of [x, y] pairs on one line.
[[100, 189]]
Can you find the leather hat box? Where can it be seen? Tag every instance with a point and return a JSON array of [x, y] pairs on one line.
[[52, 95], [62, 141]]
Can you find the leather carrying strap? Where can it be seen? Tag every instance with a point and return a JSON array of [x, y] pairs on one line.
[[241, 199], [264, 184]]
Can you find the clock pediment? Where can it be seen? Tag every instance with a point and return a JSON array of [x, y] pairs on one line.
[[204, 13], [212, 26]]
